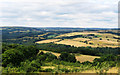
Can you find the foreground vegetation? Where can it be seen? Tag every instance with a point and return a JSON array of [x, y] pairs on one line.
[[24, 59]]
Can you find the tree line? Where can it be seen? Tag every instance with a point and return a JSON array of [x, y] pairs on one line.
[[82, 50]]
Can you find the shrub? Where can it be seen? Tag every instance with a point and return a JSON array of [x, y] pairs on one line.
[[12, 56], [48, 70], [67, 57], [86, 63], [100, 38], [65, 70]]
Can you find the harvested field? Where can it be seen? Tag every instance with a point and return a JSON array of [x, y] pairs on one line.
[[86, 33], [76, 33], [73, 43], [47, 67], [48, 41], [92, 38], [111, 70], [56, 54], [83, 58]]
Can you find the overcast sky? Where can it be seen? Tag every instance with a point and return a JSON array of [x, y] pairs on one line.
[[59, 13]]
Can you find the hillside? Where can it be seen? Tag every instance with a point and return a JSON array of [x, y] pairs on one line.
[[66, 50], [91, 38], [70, 36], [79, 57]]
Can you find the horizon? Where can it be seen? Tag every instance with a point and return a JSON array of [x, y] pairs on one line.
[[57, 27]]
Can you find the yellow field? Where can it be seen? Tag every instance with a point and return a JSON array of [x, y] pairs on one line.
[[80, 39], [48, 41], [19, 31], [46, 67], [75, 33], [43, 34], [108, 39], [111, 70], [56, 54], [86, 33], [81, 58], [73, 43]]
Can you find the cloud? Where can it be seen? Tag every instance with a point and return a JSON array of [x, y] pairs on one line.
[[63, 13]]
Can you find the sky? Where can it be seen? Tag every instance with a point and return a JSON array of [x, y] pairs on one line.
[[59, 13]]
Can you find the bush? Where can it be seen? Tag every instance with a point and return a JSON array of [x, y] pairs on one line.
[[31, 69], [112, 60], [46, 57], [67, 57], [108, 57], [86, 63], [78, 62], [65, 70], [48, 70], [32, 66], [12, 56]]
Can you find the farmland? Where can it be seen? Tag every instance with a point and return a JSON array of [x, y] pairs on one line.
[[48, 41], [93, 39], [60, 50], [73, 37]]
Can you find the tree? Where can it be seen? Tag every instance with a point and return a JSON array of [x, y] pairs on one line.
[[100, 38], [33, 66], [12, 56], [67, 57], [46, 57], [102, 68], [86, 42], [108, 57]]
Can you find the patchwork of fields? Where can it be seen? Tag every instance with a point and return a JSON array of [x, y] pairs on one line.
[[84, 39]]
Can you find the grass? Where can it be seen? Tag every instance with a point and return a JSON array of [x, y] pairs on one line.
[[73, 43], [107, 39], [83, 58], [52, 36], [48, 41], [98, 35], [74, 67], [111, 70], [79, 57], [56, 54]]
